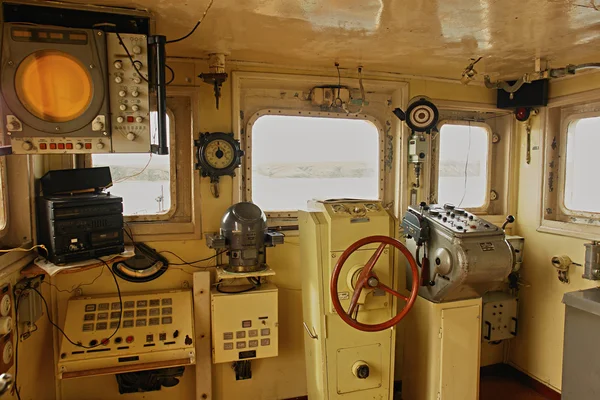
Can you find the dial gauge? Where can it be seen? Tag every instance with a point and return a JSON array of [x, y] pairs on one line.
[[219, 154]]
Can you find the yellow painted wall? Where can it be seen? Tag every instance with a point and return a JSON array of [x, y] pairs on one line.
[[538, 348], [277, 378]]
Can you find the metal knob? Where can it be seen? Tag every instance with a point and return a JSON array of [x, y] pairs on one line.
[[99, 145], [78, 146], [27, 145], [118, 79], [139, 120], [135, 93], [131, 136], [137, 50], [122, 107], [135, 107], [122, 93], [120, 119], [118, 64]]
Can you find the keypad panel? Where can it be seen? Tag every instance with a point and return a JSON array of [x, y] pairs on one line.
[[138, 313]]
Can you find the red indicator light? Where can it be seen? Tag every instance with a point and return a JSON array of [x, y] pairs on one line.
[[61, 146], [52, 146], [129, 339], [88, 146], [105, 342], [43, 146], [130, 119], [69, 146]]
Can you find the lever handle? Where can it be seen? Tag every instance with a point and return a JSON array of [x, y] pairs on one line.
[[310, 334], [509, 220]]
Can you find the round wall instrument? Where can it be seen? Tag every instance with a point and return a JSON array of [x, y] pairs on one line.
[[218, 154], [421, 114]]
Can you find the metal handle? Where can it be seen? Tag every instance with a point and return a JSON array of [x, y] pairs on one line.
[[514, 333], [310, 334], [489, 334]]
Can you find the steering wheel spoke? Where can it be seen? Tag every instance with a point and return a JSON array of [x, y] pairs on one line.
[[368, 279], [391, 291]]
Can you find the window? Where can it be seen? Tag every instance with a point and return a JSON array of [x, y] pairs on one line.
[[463, 174], [143, 180], [582, 165], [298, 158]]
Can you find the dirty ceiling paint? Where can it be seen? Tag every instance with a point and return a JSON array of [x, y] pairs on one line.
[[422, 37]]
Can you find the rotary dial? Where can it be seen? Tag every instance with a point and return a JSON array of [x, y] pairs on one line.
[[219, 154]]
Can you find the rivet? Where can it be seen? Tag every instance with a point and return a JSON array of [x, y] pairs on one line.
[[11, 63], [333, 256], [91, 66], [99, 33], [57, 128]]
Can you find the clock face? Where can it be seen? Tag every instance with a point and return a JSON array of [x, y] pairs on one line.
[[219, 154]]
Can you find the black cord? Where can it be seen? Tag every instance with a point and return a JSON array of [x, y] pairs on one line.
[[191, 262], [195, 26], [63, 332], [131, 58], [254, 287], [172, 75]]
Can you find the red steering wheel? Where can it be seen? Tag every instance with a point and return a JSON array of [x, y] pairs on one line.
[[368, 279]]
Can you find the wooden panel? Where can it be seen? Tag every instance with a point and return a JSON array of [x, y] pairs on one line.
[[202, 332], [461, 332]]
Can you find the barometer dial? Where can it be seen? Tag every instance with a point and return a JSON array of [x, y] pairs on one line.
[[219, 154]]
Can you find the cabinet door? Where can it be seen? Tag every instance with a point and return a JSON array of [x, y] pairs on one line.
[[461, 330]]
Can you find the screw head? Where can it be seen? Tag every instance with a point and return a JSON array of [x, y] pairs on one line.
[[57, 128], [11, 63]]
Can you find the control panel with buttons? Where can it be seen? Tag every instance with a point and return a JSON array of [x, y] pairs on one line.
[[136, 330], [244, 325], [129, 93], [457, 220]]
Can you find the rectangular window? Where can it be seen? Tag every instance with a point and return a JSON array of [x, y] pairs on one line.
[[463, 176], [582, 165], [300, 158], [143, 180]]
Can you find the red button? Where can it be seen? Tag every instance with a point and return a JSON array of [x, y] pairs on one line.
[[52, 146], [69, 146], [43, 146], [61, 146], [130, 119], [88, 146], [129, 339], [105, 342]]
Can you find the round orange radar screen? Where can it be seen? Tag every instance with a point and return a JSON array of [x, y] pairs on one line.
[[54, 86]]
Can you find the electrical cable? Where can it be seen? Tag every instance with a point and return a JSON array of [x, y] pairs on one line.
[[76, 287], [195, 26], [172, 74], [137, 173], [63, 332], [41, 246], [254, 287], [466, 168], [191, 262]]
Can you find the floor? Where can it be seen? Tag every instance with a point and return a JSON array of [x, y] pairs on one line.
[[504, 387]]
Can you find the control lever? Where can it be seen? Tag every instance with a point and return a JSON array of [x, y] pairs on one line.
[[425, 271], [509, 220]]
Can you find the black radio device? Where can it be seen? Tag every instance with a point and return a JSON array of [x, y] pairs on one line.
[[79, 223]]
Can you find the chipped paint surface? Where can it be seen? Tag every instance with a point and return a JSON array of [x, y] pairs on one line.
[[423, 37]]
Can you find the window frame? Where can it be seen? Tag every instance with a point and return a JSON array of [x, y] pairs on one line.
[[555, 217], [563, 167], [186, 223], [247, 172], [172, 177], [435, 181]]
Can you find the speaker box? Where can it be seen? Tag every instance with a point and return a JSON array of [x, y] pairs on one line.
[[534, 94]]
